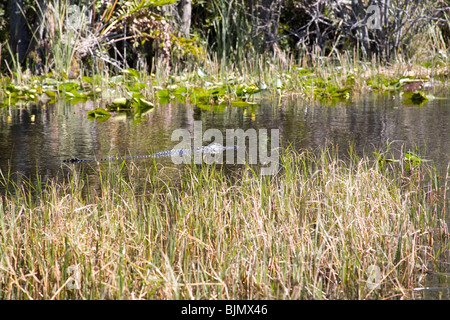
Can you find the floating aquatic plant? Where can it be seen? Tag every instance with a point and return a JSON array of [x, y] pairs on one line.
[[98, 114], [380, 82], [416, 98]]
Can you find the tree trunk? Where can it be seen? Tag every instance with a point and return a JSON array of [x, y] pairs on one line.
[[186, 12], [269, 14], [39, 41], [20, 38]]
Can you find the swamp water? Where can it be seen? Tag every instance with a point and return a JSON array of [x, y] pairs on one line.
[[35, 139]]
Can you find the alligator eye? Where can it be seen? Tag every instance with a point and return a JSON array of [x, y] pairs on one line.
[[73, 160]]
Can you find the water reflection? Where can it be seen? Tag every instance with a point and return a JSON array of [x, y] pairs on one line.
[[34, 139]]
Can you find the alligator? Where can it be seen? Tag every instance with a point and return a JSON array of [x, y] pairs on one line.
[[213, 148]]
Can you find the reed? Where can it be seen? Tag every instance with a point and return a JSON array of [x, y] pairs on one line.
[[313, 231]]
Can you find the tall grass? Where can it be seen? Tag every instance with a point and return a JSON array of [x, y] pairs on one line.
[[311, 232], [233, 24]]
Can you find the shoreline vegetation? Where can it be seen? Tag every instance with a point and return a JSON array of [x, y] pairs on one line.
[[327, 82], [135, 54], [316, 230], [366, 227]]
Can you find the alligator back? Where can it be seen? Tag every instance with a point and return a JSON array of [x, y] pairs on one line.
[[213, 148]]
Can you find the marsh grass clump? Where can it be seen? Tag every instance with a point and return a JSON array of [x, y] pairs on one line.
[[314, 231]]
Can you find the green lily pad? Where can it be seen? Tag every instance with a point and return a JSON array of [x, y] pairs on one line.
[[120, 102], [163, 93], [99, 114], [144, 103], [240, 103], [417, 97], [51, 94]]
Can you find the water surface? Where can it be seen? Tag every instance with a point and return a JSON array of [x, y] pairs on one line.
[[35, 139]]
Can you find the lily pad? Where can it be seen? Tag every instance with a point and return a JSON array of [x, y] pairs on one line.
[[239, 103], [121, 102], [417, 97], [141, 102], [99, 114]]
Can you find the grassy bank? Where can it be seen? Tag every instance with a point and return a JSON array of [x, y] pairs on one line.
[[313, 231]]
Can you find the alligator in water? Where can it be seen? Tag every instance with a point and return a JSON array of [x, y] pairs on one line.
[[213, 148]]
